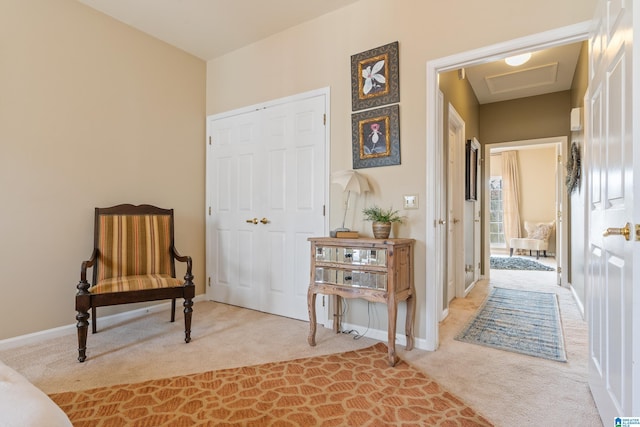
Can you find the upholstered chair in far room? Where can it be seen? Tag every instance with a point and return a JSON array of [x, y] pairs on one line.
[[133, 260], [538, 238]]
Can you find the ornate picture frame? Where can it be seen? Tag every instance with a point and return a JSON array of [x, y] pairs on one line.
[[375, 137], [375, 77], [471, 172]]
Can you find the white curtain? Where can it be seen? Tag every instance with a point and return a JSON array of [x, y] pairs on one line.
[[510, 195]]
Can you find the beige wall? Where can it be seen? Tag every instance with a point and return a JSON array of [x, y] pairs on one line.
[[537, 174], [80, 92], [317, 54], [537, 184], [537, 168], [533, 117], [460, 94], [577, 201], [92, 113]]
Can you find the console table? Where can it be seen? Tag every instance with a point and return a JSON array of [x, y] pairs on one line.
[[376, 270]]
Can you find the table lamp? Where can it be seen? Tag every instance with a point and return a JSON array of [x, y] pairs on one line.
[[350, 181]]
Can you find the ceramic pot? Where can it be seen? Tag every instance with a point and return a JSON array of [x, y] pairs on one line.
[[381, 230]]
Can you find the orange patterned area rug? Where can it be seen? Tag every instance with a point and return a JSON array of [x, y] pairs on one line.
[[355, 388]]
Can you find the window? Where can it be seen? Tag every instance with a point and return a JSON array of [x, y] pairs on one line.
[[496, 226]]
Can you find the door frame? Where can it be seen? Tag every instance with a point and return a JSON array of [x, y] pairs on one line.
[[562, 237], [322, 308], [565, 35]]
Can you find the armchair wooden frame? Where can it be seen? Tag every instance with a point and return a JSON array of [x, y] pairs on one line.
[[88, 299]]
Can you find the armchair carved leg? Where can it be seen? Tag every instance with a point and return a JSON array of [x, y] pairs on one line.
[[188, 310], [83, 327], [189, 294], [83, 303]]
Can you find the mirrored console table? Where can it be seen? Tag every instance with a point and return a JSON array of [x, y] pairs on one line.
[[376, 270]]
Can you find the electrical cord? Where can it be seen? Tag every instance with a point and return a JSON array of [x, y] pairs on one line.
[[356, 335]]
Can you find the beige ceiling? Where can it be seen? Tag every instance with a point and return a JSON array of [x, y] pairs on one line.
[[549, 70], [211, 28]]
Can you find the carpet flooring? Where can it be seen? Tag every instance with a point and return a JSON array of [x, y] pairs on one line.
[[354, 388], [517, 263], [520, 321]]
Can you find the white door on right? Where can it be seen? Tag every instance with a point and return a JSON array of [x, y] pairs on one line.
[[613, 291]]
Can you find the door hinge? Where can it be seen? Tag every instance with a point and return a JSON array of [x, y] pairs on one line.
[[323, 210], [559, 158], [209, 210], [559, 270], [324, 119], [209, 281], [209, 140], [323, 300]]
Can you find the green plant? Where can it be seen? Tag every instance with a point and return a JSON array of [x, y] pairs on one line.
[[377, 214]]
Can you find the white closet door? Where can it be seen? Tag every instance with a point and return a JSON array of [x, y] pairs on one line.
[[267, 181]]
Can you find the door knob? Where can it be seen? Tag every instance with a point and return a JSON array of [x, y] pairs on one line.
[[442, 222], [252, 221], [455, 221], [624, 231], [264, 220]]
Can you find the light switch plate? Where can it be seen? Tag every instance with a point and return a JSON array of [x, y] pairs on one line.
[[410, 201]]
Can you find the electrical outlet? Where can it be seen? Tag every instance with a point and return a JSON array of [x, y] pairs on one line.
[[410, 201]]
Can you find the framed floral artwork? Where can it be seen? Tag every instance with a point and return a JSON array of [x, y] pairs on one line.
[[375, 79], [375, 137]]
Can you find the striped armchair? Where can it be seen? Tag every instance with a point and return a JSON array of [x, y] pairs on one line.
[[133, 260]]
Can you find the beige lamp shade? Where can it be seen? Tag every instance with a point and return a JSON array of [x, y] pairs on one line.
[[349, 180]]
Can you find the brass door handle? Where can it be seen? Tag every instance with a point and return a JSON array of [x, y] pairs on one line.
[[442, 222], [455, 221], [264, 221], [252, 221], [624, 231]]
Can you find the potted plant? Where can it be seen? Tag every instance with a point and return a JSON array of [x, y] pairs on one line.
[[381, 220]]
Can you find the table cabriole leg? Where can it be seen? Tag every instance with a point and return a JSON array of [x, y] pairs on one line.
[[311, 305]]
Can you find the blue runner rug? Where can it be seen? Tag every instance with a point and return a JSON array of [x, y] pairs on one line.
[[517, 263], [520, 321]]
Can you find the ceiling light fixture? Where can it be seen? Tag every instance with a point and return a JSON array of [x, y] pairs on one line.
[[514, 61]]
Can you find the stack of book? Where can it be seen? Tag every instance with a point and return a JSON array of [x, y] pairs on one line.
[[347, 234]]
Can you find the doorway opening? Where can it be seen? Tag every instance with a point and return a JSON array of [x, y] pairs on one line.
[[537, 167], [436, 211]]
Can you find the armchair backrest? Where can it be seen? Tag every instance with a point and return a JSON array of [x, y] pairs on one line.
[[133, 240], [539, 230]]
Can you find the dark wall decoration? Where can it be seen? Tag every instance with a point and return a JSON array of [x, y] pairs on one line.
[[375, 77], [375, 137], [471, 172], [574, 168]]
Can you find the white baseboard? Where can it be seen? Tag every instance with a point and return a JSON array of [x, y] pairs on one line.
[[381, 335], [22, 340], [576, 299]]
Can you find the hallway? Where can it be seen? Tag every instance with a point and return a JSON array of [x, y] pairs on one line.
[[509, 388]]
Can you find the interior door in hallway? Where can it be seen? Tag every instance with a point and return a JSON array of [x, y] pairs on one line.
[[472, 217], [613, 290], [455, 205], [266, 182]]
